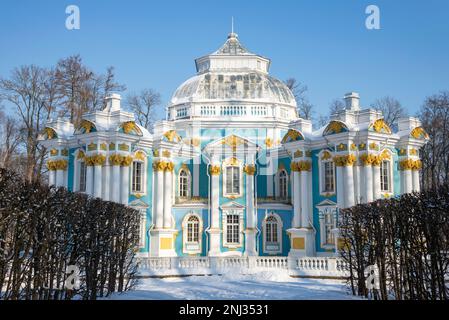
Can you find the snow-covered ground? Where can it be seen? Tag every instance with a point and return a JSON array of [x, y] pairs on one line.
[[234, 287]]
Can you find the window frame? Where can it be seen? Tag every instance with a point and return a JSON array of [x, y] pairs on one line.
[[283, 188], [82, 164], [279, 228], [389, 176], [77, 172], [191, 247], [144, 174], [325, 232], [238, 223], [322, 174], [188, 183], [235, 164]]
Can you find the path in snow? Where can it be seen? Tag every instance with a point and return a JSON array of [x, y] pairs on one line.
[[262, 286]]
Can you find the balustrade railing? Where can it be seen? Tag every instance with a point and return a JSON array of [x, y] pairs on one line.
[[301, 266]]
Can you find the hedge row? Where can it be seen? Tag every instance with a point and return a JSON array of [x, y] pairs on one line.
[[407, 238], [46, 233]]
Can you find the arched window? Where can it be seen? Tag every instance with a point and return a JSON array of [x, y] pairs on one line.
[[193, 227], [283, 185], [272, 232], [184, 184], [385, 176], [137, 177]]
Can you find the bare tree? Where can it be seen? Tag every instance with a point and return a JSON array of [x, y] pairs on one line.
[[27, 91], [336, 106], [73, 86], [9, 140], [81, 89], [143, 105], [391, 109], [299, 90], [434, 115]]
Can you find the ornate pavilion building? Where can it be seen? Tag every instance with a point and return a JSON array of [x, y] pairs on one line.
[[233, 170]]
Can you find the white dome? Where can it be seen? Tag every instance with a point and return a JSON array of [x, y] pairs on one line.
[[246, 87], [232, 81]]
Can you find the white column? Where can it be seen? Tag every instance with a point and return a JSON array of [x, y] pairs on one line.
[[214, 230], [304, 199], [159, 198], [368, 185], [296, 199], [51, 177], [115, 190], [376, 182], [416, 184], [196, 176], [349, 186], [250, 232], [98, 176], [124, 194], [106, 182], [90, 180], [250, 216], [340, 189], [168, 193], [408, 181], [357, 183], [60, 178]]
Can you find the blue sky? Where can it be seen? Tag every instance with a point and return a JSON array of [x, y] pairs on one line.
[[323, 44]]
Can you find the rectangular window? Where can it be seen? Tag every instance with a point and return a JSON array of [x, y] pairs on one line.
[[137, 177], [82, 184], [385, 175], [329, 225], [329, 177], [233, 180], [232, 229]]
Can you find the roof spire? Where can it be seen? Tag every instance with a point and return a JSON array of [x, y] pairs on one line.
[[232, 35]]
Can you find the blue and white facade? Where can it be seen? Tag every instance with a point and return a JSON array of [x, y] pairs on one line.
[[233, 171]]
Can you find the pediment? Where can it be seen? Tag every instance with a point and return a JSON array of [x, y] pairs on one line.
[[231, 142], [138, 203], [326, 203], [232, 205]]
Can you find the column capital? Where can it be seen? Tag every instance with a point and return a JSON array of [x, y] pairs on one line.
[[215, 170], [60, 164], [301, 166], [250, 169], [347, 160], [410, 164], [95, 160], [162, 165]]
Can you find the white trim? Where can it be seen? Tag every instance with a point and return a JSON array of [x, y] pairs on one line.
[[279, 233], [185, 244]]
